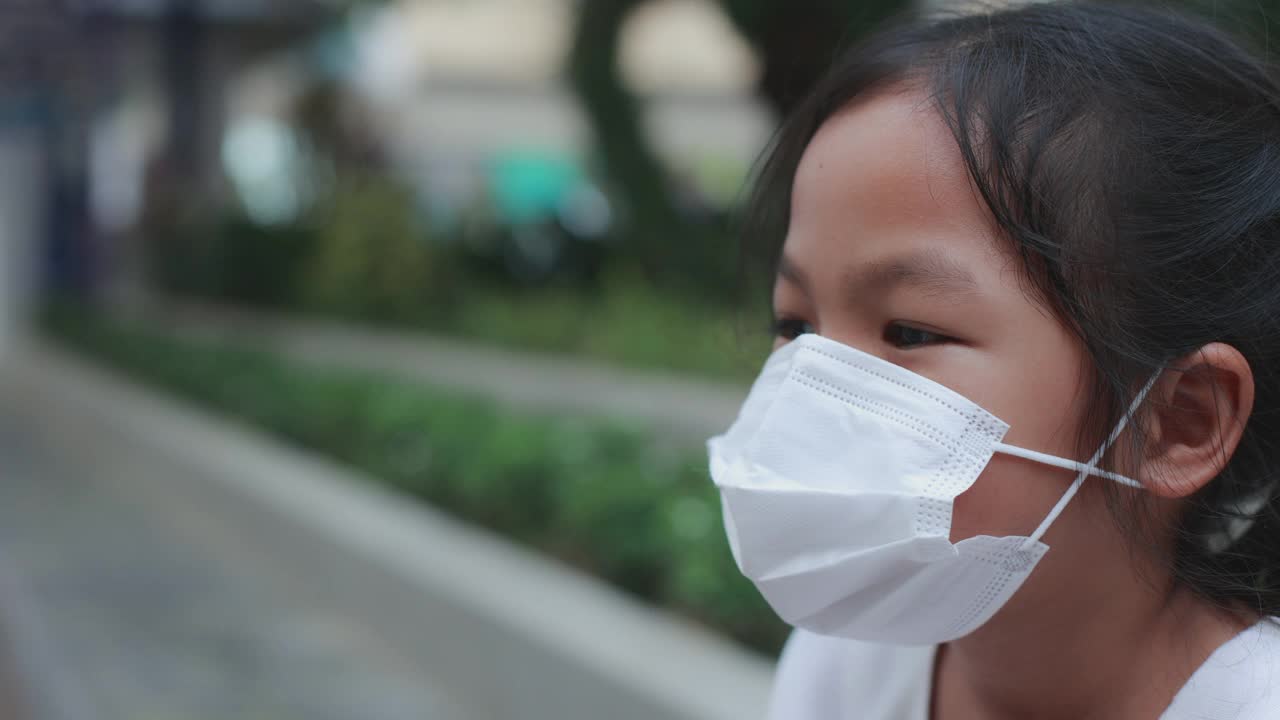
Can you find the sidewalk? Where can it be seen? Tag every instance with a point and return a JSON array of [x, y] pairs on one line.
[[175, 565], [688, 409], [149, 594]]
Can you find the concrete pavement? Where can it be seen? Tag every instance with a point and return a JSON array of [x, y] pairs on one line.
[[149, 595], [173, 566]]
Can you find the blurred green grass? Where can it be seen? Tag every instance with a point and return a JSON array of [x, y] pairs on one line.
[[627, 324], [602, 495]]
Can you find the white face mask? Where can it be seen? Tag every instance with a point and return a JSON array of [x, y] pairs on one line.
[[837, 482]]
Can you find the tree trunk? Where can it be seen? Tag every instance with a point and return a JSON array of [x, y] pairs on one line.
[[797, 41], [617, 119]]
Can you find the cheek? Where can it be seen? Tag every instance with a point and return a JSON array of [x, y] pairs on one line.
[[1011, 497], [1041, 398]]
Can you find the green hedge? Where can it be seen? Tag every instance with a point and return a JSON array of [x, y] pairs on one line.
[[602, 496], [625, 323]]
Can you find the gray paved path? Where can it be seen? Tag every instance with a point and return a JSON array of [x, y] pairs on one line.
[[145, 596], [689, 409], [161, 563]]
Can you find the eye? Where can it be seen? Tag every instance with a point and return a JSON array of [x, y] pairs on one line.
[[907, 337], [790, 328]]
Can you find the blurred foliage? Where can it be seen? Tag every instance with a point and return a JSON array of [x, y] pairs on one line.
[[366, 255], [603, 496], [370, 257], [626, 322], [229, 258], [651, 290], [647, 275]]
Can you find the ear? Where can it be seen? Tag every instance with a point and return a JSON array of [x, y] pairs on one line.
[[1201, 406]]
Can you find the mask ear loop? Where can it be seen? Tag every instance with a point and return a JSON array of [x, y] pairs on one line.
[[1089, 467], [1063, 463]]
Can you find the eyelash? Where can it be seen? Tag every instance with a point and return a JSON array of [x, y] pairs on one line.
[[933, 337], [789, 328]]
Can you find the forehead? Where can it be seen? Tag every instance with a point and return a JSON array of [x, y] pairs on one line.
[[881, 176]]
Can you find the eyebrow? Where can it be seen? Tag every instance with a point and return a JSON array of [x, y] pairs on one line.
[[930, 270]]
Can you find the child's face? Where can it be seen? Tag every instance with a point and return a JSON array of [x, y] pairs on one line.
[[890, 250]]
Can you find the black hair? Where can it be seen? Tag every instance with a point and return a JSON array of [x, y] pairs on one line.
[[1130, 155]]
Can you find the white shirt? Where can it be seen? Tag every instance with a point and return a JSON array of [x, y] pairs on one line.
[[822, 678]]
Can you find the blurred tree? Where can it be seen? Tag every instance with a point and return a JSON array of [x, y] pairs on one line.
[[185, 34], [615, 116], [795, 41], [338, 128]]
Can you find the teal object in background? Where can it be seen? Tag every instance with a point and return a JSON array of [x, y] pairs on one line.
[[528, 186]]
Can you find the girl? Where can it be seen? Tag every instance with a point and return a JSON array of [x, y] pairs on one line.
[[1015, 452]]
